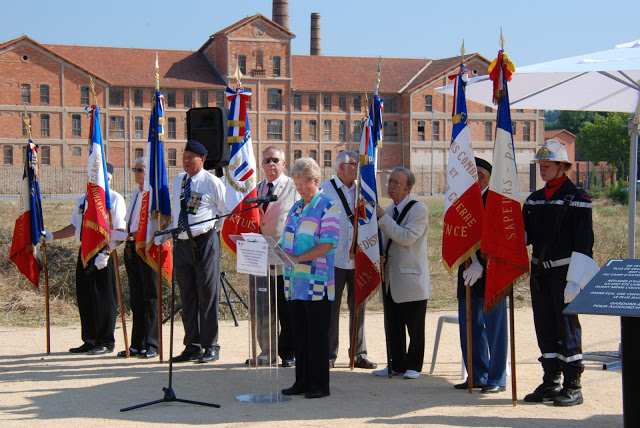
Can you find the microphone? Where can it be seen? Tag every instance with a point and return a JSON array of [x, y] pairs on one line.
[[262, 199]]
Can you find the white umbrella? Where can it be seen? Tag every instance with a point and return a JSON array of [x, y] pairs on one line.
[[601, 81]]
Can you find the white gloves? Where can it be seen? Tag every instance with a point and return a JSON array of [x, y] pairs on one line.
[[161, 239], [473, 273], [571, 291], [101, 260], [47, 236], [118, 235]]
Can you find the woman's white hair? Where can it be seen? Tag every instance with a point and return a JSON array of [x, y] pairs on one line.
[[305, 168]]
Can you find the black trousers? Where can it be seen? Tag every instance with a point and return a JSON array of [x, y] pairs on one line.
[[96, 295], [401, 316], [310, 321], [346, 277], [198, 277], [143, 296]]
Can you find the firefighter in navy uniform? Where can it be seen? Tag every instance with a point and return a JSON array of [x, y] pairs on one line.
[[557, 221]]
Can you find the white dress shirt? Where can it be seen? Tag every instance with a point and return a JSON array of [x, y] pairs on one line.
[[345, 238], [118, 211]]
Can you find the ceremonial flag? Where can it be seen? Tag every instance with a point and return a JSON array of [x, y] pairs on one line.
[[95, 223], [241, 172], [503, 237], [28, 227], [155, 197], [463, 210], [367, 251]]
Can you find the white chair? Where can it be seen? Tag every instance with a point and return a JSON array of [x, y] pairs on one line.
[[453, 319]]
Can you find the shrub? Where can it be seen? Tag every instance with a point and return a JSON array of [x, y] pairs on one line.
[[619, 193]]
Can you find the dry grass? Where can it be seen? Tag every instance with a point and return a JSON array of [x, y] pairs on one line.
[[21, 303]]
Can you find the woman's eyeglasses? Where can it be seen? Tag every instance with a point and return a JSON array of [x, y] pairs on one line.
[[138, 169]]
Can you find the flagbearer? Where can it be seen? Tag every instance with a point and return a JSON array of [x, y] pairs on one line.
[[342, 189], [95, 284], [557, 220], [488, 330], [143, 280], [197, 196]]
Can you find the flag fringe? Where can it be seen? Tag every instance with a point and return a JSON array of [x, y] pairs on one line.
[[451, 269]]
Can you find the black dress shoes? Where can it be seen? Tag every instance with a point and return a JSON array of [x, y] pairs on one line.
[[288, 362], [363, 363], [493, 389], [316, 394], [150, 353], [99, 350], [132, 352], [86, 347], [187, 356], [294, 390], [209, 356], [464, 385]]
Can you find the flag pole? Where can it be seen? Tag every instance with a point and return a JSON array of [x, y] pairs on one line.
[[159, 215]]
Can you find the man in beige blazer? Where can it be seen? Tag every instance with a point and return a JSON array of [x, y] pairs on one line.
[[406, 288], [272, 220]]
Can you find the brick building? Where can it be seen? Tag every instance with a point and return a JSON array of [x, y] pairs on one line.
[[309, 104]]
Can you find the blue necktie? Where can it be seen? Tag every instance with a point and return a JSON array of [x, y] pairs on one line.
[[269, 193], [186, 195]]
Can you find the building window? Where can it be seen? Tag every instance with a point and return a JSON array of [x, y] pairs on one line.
[[276, 66], [242, 64], [435, 130], [259, 59], [519, 110], [171, 155], [24, 126], [186, 128], [116, 127], [297, 102], [188, 99], [390, 130], [342, 102], [138, 153], [116, 97], [357, 130], [274, 129], [313, 102], [274, 99], [204, 99], [488, 131], [312, 131], [513, 128], [342, 130], [44, 125], [171, 128], [391, 104], [45, 155], [84, 96], [249, 99], [137, 97], [327, 130], [327, 159], [357, 103], [44, 94], [138, 131], [8, 155], [297, 130], [526, 131], [327, 102], [76, 151], [428, 103], [76, 125], [26, 93], [313, 154], [421, 130], [488, 109], [297, 154], [219, 99], [171, 98]]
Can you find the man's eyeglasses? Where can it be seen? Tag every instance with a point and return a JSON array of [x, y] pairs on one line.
[[138, 169], [272, 160], [350, 163]]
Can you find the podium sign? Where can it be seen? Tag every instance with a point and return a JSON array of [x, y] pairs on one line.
[[614, 290]]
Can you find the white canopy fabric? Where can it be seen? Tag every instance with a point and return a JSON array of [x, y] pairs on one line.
[[601, 81]]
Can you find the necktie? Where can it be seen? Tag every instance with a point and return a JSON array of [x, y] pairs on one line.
[[395, 213], [186, 195], [269, 193]]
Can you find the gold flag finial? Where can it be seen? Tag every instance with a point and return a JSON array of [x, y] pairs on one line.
[[27, 122], [378, 73], [238, 76], [157, 74], [93, 90], [501, 39], [462, 51]]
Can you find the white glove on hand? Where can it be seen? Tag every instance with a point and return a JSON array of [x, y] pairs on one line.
[[118, 235], [47, 236], [473, 273], [571, 291], [161, 239], [101, 260]]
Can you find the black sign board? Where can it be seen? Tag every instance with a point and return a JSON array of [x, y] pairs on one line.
[[614, 290]]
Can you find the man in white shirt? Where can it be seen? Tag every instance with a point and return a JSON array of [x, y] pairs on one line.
[[342, 189]]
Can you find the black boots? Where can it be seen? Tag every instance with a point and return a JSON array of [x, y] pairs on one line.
[[571, 393], [547, 390]]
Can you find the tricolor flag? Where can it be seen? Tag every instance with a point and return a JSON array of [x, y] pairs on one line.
[[503, 237], [367, 251], [241, 172], [463, 210], [155, 196], [28, 227], [95, 224]]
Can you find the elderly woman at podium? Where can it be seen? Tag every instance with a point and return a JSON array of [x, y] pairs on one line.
[[310, 238]]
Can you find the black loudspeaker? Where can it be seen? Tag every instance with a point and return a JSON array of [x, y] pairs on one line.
[[208, 126]]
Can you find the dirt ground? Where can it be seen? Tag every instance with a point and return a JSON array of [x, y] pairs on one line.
[[64, 390]]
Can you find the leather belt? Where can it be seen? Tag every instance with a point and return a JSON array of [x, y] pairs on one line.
[[552, 263], [201, 237]]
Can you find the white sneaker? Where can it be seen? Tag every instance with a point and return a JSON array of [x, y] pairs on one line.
[[411, 374], [385, 372]]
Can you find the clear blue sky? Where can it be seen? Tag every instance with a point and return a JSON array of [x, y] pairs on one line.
[[534, 31]]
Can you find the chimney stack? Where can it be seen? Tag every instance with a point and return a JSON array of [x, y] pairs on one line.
[[315, 34], [280, 13]]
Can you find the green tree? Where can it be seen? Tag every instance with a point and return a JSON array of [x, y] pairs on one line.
[[606, 140], [572, 121]]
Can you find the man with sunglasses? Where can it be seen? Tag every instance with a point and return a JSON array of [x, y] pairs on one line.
[[272, 219]]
